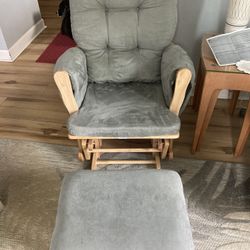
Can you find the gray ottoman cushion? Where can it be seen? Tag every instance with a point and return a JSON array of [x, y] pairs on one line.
[[133, 109], [118, 210]]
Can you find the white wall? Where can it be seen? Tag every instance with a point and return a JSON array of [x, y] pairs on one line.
[[3, 45], [20, 23], [17, 17], [197, 17]]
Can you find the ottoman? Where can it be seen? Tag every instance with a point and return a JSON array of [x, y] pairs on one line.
[[118, 210]]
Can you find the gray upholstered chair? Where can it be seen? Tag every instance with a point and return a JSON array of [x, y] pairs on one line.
[[125, 79]]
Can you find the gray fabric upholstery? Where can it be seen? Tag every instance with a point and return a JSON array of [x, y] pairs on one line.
[[125, 43], [125, 210], [173, 59], [123, 40], [124, 110], [73, 61]]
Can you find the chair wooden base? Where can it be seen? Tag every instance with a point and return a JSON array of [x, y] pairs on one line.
[[92, 149]]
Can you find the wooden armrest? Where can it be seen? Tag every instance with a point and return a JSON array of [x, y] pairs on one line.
[[63, 83], [183, 79]]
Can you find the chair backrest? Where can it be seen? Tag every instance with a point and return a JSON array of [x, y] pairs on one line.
[[123, 39]]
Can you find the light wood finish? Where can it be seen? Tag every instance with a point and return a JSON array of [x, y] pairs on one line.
[[84, 144], [165, 149], [130, 162], [244, 134], [94, 162], [183, 79], [80, 154], [157, 161], [92, 149], [31, 108], [63, 83], [174, 136], [216, 78], [170, 150], [125, 150], [98, 147]]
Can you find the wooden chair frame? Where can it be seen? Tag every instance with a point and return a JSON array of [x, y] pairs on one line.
[[90, 148]]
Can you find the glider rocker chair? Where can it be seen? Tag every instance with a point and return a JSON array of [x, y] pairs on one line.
[[125, 79]]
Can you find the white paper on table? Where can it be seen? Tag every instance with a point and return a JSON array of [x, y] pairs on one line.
[[230, 48]]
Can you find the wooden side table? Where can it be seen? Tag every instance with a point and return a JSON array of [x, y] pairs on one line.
[[211, 79]]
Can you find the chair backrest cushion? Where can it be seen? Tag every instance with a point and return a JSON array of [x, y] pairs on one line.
[[123, 39]]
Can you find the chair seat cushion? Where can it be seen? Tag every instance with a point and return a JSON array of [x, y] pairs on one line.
[[124, 110], [125, 210]]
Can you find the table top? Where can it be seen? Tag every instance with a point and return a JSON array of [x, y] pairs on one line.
[[209, 61]]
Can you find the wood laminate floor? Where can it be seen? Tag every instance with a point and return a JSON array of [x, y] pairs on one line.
[[31, 109]]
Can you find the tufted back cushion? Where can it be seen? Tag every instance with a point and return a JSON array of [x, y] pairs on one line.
[[123, 39]]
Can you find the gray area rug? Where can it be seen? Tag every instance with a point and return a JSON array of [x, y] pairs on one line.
[[218, 196]]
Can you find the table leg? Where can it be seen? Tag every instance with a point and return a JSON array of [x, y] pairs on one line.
[[198, 87], [245, 130], [207, 94], [208, 116], [233, 101]]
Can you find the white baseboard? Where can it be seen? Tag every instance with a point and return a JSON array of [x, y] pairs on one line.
[[22, 43], [226, 94], [5, 56]]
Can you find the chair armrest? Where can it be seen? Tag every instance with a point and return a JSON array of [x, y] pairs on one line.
[[70, 74], [177, 76]]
